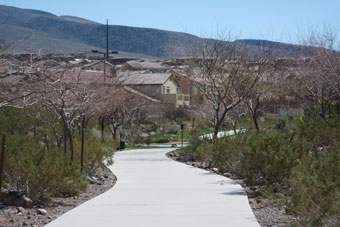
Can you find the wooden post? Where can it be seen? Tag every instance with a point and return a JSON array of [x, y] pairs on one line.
[[329, 110], [82, 143], [2, 161]]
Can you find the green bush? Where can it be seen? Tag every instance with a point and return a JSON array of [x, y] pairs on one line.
[[96, 153], [227, 153], [268, 157], [196, 145], [315, 186], [161, 140], [38, 172], [148, 141]]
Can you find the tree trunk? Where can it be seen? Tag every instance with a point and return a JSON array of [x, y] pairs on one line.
[[216, 130], [65, 140], [234, 128], [256, 123], [102, 127], [71, 146]]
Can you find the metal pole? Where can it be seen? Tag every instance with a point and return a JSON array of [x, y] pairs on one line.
[[2, 161], [182, 127], [104, 67], [107, 40], [82, 143]]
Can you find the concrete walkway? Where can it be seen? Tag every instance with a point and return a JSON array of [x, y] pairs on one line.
[[155, 191]]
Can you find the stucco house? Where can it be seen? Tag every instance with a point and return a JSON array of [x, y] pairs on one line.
[[161, 86], [98, 66]]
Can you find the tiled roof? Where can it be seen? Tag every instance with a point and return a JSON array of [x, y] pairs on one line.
[[94, 63], [145, 78], [141, 94], [144, 64]]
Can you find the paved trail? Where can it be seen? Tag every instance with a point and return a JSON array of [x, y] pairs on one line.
[[155, 191]]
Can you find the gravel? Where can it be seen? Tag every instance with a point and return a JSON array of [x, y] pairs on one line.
[[11, 216]]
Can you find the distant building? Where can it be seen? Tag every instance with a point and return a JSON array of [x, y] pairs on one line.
[[140, 65], [99, 67], [160, 86]]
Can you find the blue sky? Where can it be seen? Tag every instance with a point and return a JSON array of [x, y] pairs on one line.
[[278, 20]]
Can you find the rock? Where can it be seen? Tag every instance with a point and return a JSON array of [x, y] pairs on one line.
[[106, 176], [25, 224], [21, 210], [89, 179], [215, 170], [227, 175], [42, 211], [26, 202]]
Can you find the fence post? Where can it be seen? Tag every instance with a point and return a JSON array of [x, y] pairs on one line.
[[2, 161], [82, 143]]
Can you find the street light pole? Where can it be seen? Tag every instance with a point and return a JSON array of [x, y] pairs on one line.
[[106, 55], [105, 58], [107, 40]]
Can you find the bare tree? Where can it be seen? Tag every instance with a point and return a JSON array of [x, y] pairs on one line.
[[68, 94], [319, 75], [226, 73]]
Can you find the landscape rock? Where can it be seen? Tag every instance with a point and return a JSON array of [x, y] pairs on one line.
[[91, 180], [227, 175], [21, 210], [42, 211]]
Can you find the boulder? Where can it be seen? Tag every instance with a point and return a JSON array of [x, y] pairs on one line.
[[42, 211]]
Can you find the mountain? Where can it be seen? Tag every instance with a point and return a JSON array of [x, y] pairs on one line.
[[33, 30]]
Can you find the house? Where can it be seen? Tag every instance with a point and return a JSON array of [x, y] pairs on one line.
[[139, 65], [188, 87], [160, 86], [99, 66]]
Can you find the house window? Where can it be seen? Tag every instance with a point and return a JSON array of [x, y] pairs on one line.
[[166, 90], [194, 90], [179, 90], [98, 69]]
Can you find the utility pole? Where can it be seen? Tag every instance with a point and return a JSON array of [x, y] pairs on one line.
[[107, 53], [106, 56], [107, 40]]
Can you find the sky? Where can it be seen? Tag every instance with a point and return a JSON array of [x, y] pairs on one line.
[[277, 20]]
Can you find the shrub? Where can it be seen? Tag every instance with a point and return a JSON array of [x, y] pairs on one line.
[[196, 145], [96, 153], [161, 140], [227, 153], [38, 172], [315, 185], [148, 141], [268, 157]]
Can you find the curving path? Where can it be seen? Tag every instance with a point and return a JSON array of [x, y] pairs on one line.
[[155, 191]]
